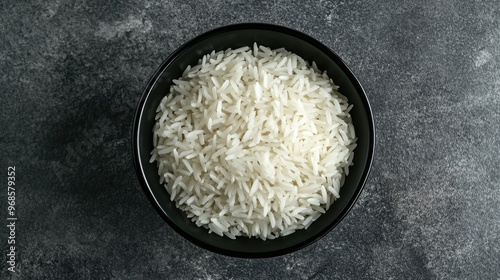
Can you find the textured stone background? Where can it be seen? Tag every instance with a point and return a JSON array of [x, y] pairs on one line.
[[71, 73]]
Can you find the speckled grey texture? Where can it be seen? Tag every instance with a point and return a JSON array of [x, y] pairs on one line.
[[71, 73]]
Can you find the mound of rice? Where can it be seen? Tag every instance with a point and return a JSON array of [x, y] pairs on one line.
[[253, 142]]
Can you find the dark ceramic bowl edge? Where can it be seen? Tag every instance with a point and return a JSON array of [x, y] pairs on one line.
[[139, 168]]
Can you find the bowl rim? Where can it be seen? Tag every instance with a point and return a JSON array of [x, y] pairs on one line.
[[229, 28]]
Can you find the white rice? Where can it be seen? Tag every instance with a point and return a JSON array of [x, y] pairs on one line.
[[253, 142]]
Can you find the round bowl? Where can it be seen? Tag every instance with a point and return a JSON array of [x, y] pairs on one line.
[[235, 36]]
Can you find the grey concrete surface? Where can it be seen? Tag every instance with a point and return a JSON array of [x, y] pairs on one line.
[[71, 74]]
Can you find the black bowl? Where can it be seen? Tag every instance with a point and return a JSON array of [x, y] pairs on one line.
[[235, 36]]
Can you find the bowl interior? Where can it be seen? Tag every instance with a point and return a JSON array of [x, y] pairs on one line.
[[233, 37]]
